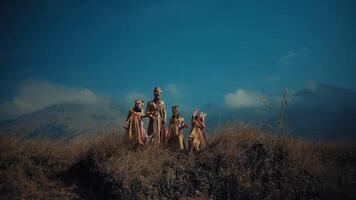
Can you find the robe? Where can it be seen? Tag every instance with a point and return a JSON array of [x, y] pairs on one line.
[[175, 133], [156, 128], [136, 134], [197, 137]]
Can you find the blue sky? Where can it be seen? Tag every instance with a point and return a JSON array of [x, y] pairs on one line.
[[198, 51]]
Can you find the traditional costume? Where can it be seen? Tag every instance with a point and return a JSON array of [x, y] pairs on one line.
[[197, 137], [136, 134], [156, 109], [175, 131]]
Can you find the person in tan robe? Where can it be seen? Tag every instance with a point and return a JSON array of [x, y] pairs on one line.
[[175, 131], [197, 137], [136, 134], [157, 112]]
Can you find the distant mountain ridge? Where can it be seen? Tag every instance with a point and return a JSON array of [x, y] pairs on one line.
[[324, 111], [65, 121], [321, 112]]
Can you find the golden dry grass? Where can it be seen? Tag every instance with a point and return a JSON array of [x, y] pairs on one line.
[[240, 162]]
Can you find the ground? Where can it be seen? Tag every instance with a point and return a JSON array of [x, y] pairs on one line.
[[240, 162]]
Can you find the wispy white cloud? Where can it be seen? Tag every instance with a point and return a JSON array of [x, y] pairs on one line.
[[289, 61], [174, 91], [34, 95], [242, 98], [291, 57], [311, 84]]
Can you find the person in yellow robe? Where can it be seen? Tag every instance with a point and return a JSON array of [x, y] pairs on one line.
[[197, 137], [175, 131], [157, 112], [136, 134]]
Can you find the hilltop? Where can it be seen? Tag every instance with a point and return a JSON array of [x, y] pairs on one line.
[[240, 162]]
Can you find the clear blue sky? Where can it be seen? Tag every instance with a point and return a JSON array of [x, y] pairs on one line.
[[204, 49]]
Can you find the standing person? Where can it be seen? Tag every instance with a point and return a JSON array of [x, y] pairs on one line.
[[176, 126], [157, 111], [197, 137], [136, 134]]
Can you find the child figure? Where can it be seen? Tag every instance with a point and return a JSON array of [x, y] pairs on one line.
[[136, 133], [175, 133], [197, 137]]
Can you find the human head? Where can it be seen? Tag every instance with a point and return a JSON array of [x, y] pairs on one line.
[[139, 103], [157, 92], [175, 110], [202, 114], [195, 112]]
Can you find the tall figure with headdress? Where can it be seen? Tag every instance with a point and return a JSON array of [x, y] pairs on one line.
[[136, 134], [156, 109], [197, 137]]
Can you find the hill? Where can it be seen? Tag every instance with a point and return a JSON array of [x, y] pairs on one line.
[[65, 121], [322, 112], [239, 163], [325, 111]]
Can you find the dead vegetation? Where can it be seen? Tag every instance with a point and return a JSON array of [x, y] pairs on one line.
[[239, 163]]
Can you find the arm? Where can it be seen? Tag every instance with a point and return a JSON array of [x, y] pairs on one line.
[[183, 124], [148, 110], [128, 115], [201, 123], [164, 114], [148, 107], [147, 114], [127, 121]]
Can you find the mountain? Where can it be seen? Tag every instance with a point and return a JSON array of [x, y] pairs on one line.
[[322, 112], [65, 121], [220, 115], [325, 111]]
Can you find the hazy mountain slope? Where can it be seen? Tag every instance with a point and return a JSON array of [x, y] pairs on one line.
[[325, 111], [64, 121]]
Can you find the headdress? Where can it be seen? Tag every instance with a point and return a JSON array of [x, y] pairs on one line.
[[195, 112], [157, 90], [202, 114], [139, 101]]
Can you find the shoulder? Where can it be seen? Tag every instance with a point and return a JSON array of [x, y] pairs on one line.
[[131, 111], [150, 104]]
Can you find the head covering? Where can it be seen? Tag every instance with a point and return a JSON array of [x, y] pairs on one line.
[[139, 101], [195, 112], [157, 90], [173, 109], [202, 114]]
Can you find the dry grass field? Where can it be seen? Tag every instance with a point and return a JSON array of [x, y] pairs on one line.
[[240, 162]]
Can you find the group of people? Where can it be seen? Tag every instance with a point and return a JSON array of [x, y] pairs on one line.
[[157, 133]]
